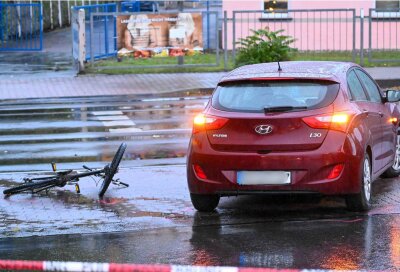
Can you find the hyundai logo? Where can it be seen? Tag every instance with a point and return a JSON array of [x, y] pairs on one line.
[[263, 129]]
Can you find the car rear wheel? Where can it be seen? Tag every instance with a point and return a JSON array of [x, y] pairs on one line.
[[205, 203], [362, 201], [394, 170]]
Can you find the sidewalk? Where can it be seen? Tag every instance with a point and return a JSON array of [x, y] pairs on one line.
[[18, 88], [92, 85]]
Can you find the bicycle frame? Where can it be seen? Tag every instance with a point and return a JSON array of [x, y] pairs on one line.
[[71, 177]]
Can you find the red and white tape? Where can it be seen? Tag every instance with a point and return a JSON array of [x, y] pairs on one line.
[[113, 267]]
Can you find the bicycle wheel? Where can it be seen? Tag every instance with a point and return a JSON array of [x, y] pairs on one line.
[[31, 186], [112, 169]]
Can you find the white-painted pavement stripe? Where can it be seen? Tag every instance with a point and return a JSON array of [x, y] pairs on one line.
[[106, 112], [125, 130], [118, 123], [112, 117]]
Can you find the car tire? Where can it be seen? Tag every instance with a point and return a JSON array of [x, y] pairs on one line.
[[394, 170], [205, 203], [362, 201]]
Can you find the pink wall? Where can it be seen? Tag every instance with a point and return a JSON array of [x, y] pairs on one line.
[[230, 5], [316, 31]]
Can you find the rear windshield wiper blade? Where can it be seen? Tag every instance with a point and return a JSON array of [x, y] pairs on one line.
[[283, 108]]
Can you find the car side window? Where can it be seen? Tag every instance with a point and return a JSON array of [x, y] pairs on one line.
[[372, 89], [355, 87]]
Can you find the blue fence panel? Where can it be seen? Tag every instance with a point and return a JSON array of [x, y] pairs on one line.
[[21, 27], [131, 6], [136, 6], [104, 33]]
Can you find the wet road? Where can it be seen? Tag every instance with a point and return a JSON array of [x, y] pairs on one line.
[[66, 130], [365, 243], [153, 220]]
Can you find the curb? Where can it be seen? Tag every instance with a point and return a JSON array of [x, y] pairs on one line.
[[114, 267]]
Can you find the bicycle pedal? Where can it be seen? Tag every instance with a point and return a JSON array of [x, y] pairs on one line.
[[77, 189]]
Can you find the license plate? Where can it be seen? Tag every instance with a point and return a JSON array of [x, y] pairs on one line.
[[263, 177]]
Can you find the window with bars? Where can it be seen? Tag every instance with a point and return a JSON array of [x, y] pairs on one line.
[[386, 9], [384, 4], [276, 6]]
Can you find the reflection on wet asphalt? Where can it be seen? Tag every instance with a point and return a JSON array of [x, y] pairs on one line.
[[344, 241], [70, 130], [153, 220]]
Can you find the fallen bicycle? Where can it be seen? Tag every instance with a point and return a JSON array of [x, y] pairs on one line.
[[71, 177]]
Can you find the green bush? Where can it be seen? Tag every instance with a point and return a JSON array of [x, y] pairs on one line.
[[264, 46]]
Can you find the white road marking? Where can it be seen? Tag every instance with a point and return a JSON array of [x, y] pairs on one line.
[[125, 130], [112, 117], [107, 113], [116, 119], [118, 123]]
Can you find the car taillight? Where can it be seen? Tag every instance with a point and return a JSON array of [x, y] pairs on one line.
[[207, 122], [336, 171], [393, 120], [336, 121], [199, 171]]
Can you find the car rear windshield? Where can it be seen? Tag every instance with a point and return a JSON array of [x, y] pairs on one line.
[[257, 96]]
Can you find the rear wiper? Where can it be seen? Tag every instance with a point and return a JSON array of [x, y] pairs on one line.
[[283, 108]]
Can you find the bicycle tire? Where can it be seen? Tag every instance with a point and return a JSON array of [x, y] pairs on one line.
[[112, 169], [30, 186]]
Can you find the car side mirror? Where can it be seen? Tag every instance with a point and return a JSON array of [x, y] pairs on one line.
[[392, 95]]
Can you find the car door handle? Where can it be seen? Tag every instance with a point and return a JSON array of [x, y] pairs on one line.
[[365, 111], [381, 114]]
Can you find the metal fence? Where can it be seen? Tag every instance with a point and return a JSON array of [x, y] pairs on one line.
[[100, 30], [181, 59], [21, 27], [384, 35], [137, 6], [320, 34], [315, 31]]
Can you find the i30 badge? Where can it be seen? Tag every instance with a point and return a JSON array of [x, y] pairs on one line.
[[263, 129]]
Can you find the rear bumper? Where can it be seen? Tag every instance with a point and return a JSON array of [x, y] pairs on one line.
[[309, 169]]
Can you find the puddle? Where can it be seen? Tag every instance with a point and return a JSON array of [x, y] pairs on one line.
[[62, 210]]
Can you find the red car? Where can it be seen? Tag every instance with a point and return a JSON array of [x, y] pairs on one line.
[[294, 127]]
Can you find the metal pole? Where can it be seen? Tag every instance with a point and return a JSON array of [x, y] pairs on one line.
[[354, 36], [106, 32], [362, 37], [208, 24], [91, 41], [51, 15], [82, 39], [225, 40], [217, 38], [60, 22], [234, 37], [1, 24], [369, 35], [69, 11], [41, 25], [180, 58]]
